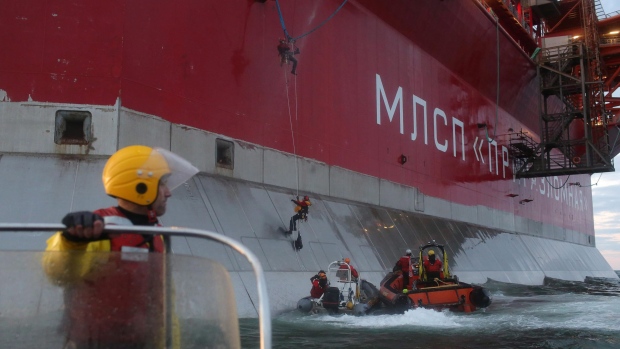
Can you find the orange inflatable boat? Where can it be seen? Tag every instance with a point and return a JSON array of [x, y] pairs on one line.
[[431, 285]]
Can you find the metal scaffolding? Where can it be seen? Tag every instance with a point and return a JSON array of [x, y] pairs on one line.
[[574, 136]]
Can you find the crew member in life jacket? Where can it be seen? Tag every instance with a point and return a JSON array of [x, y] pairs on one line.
[[319, 284], [404, 265], [433, 267], [347, 265], [116, 300], [288, 54], [301, 212]]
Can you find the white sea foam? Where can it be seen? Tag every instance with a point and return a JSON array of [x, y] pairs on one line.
[[415, 317]]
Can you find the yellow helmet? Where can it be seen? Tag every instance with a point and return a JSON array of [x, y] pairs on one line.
[[431, 252], [347, 260], [133, 173]]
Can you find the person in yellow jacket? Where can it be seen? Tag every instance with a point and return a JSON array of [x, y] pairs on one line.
[[117, 300]]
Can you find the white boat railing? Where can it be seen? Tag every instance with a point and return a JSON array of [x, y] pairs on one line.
[[263, 300]]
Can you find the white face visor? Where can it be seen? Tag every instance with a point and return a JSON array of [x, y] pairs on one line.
[[181, 170]]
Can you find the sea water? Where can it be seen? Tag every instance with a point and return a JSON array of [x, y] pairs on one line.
[[558, 314]]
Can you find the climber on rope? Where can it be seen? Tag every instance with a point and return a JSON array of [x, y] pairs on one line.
[[301, 212], [287, 52]]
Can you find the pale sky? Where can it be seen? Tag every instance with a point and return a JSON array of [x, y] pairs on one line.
[[606, 196]]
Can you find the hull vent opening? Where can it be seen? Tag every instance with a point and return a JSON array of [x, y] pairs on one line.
[[225, 153], [73, 127]]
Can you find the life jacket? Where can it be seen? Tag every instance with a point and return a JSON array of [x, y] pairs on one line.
[[435, 267], [353, 271], [112, 215], [317, 291], [405, 263], [303, 206]]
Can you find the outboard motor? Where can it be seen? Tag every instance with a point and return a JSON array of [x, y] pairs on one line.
[[480, 297], [305, 305], [360, 309], [402, 303], [331, 299], [369, 290]]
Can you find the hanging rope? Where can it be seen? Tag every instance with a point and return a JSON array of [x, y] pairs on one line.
[[286, 34], [289, 37], [291, 40], [290, 118], [560, 187], [296, 124], [591, 185]]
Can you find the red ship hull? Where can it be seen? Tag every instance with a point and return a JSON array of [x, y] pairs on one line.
[[213, 65]]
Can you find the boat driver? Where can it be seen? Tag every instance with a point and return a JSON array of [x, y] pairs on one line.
[[347, 265], [319, 284], [433, 266]]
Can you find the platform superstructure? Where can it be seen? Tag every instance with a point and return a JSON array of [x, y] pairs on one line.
[[407, 121]]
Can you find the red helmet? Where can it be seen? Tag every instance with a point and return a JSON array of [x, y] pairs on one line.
[[306, 198]]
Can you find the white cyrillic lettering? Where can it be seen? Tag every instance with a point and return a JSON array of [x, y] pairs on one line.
[[493, 144], [442, 147], [456, 122], [505, 160], [585, 203], [564, 193], [414, 134], [541, 187], [398, 101]]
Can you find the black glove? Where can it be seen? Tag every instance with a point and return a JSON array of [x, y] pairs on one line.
[[83, 218], [293, 200]]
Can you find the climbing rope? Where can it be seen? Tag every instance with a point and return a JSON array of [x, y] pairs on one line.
[[289, 37], [290, 118], [291, 40]]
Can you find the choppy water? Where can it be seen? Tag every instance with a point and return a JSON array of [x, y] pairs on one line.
[[559, 314]]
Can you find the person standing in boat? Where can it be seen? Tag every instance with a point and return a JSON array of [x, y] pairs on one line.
[[116, 300], [301, 212], [319, 284], [433, 266], [404, 265], [347, 265]]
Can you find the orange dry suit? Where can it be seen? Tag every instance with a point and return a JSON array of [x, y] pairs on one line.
[[433, 269], [404, 265], [301, 212], [106, 291], [354, 272], [318, 286]]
